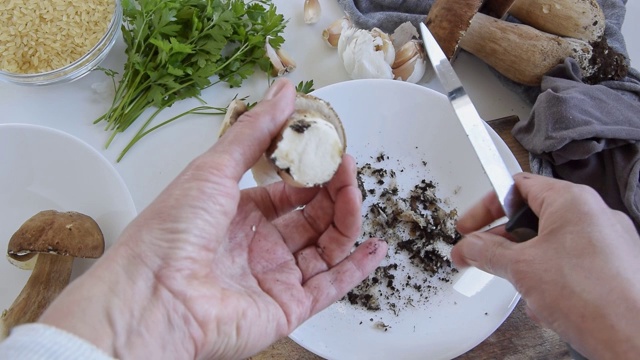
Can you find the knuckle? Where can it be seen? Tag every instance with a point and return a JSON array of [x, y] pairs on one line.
[[494, 254]]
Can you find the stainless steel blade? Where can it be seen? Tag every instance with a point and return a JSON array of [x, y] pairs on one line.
[[474, 127]]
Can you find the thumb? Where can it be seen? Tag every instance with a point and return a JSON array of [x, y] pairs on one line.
[[243, 144], [486, 251]]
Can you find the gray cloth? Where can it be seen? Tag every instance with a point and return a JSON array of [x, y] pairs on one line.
[[386, 15], [587, 134]]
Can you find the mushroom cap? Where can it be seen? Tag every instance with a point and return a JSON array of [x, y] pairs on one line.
[[307, 106], [448, 21], [63, 233], [497, 8]]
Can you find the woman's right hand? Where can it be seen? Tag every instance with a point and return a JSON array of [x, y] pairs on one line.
[[579, 277]]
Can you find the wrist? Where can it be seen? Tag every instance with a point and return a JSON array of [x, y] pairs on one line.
[[610, 330], [118, 306]]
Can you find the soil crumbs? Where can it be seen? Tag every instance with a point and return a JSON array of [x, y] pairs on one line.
[[418, 230]]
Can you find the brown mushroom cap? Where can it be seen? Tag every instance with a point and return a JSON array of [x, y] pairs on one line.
[[449, 20], [62, 233], [497, 8]]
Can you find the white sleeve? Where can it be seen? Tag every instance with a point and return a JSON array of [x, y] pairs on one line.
[[43, 342]]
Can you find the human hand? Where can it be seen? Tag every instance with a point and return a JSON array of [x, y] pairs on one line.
[[209, 271], [579, 276]]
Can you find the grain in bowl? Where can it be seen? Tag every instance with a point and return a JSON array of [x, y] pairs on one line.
[[44, 41]]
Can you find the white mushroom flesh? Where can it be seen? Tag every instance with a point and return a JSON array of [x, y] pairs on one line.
[[297, 152]]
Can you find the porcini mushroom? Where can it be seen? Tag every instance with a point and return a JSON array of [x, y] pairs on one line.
[[54, 239], [519, 52], [310, 146], [308, 149], [579, 19]]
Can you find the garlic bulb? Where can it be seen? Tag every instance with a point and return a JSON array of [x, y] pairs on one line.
[[366, 54]]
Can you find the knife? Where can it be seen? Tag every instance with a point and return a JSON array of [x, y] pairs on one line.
[[522, 222]]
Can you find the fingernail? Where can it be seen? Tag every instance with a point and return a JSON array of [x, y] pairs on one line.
[[472, 248], [273, 91]]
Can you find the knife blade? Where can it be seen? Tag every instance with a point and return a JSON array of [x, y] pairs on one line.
[[522, 222]]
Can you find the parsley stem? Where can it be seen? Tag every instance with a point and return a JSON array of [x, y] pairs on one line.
[[177, 48], [200, 110]]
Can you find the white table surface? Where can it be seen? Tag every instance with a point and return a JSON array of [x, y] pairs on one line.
[[159, 157]]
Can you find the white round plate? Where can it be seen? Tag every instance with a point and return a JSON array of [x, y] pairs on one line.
[[412, 124], [41, 169]]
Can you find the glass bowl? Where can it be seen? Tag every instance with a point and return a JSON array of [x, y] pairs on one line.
[[79, 67]]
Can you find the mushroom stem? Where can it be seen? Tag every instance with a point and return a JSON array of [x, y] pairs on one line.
[[49, 277], [579, 19], [520, 52]]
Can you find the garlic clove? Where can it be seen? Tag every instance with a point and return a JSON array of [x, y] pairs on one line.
[[407, 52], [312, 11], [276, 63], [411, 71], [281, 62], [331, 34], [286, 60], [410, 64]]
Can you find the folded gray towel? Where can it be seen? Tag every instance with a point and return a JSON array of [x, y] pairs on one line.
[[587, 134]]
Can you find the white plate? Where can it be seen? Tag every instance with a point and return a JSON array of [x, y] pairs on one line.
[[42, 168], [410, 123]]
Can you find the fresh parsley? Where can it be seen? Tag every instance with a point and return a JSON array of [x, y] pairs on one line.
[[305, 87], [177, 48]]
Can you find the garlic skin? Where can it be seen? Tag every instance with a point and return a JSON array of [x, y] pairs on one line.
[[387, 45], [312, 11], [403, 34], [296, 155], [366, 54], [410, 64]]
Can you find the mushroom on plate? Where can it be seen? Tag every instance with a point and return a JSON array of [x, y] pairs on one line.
[[47, 243]]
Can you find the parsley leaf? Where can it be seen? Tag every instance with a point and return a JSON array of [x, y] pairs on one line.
[[305, 87], [177, 48]]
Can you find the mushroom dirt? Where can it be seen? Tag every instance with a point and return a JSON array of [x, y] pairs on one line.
[[47, 243], [418, 230]]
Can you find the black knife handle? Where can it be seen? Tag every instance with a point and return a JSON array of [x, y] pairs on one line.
[[523, 225]]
